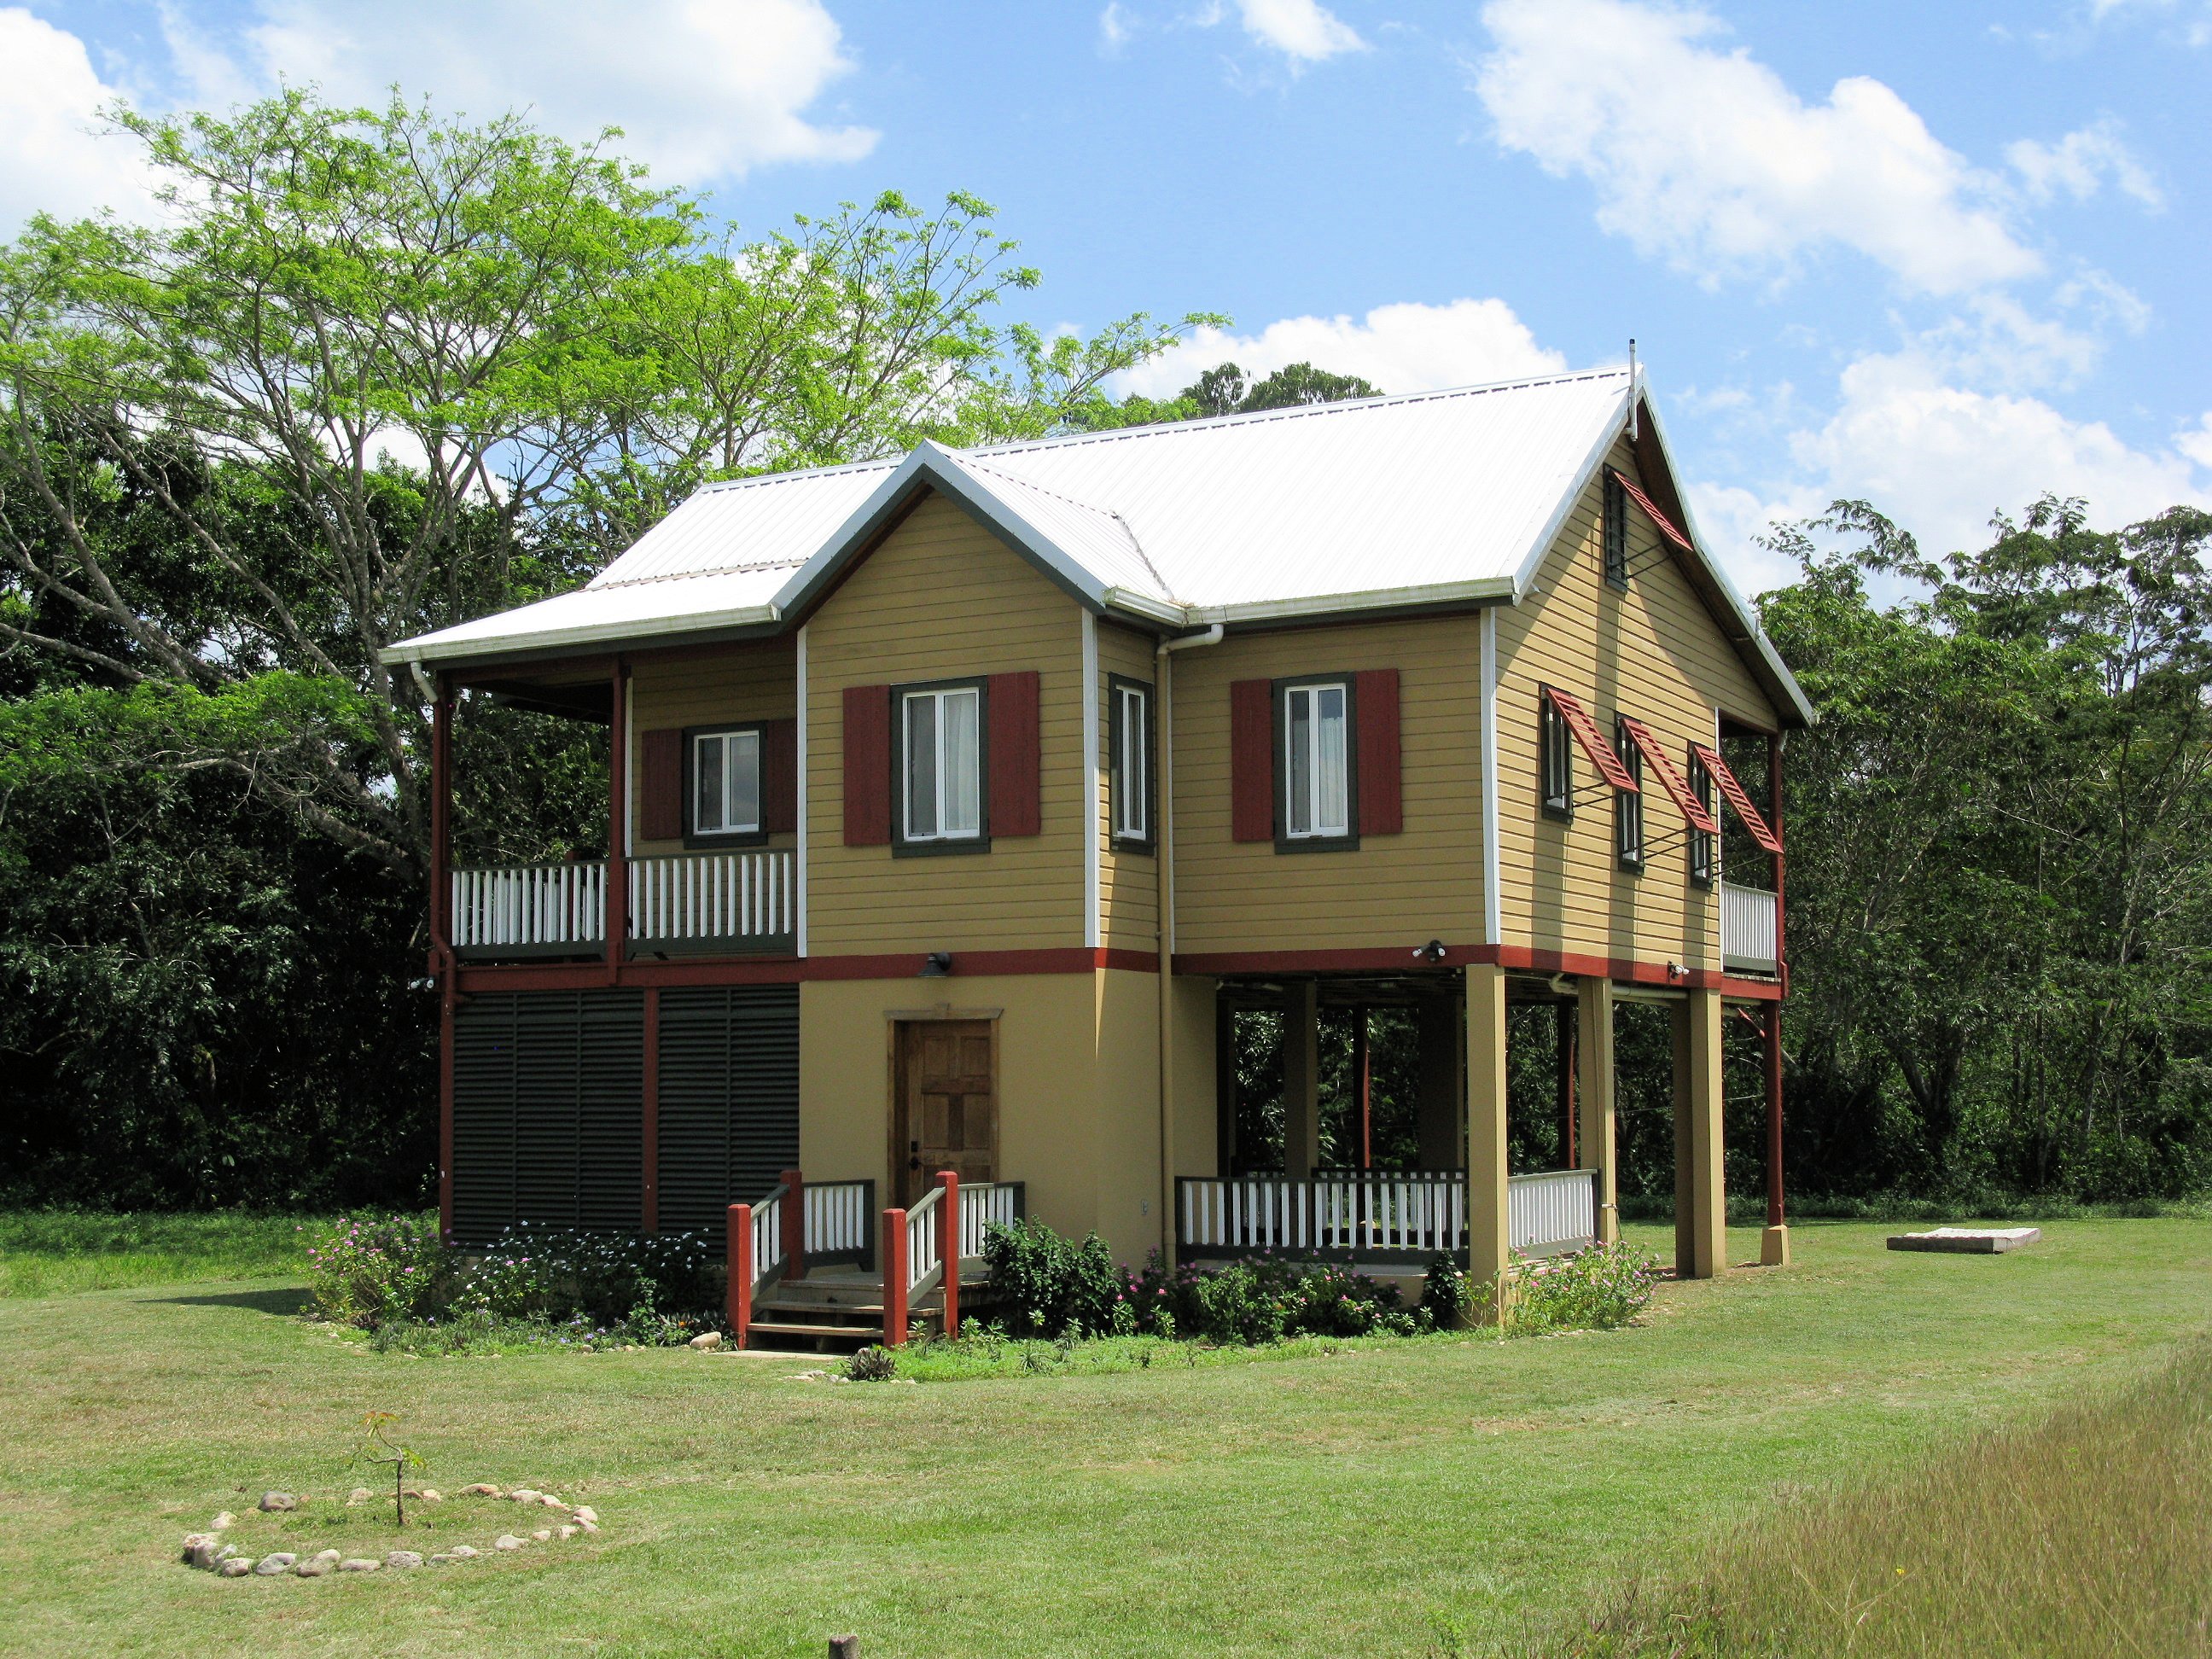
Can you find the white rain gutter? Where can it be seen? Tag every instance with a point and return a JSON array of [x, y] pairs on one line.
[[1164, 869]]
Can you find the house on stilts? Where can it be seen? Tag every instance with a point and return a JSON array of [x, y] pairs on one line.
[[961, 800]]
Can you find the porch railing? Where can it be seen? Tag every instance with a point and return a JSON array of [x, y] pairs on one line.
[[1379, 1218], [687, 901], [1747, 928], [915, 1260], [986, 1204], [837, 1224]]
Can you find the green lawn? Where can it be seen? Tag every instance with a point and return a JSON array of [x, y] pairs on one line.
[[1413, 1499], [53, 1252]]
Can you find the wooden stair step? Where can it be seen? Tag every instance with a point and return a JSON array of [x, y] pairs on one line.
[[782, 1328]]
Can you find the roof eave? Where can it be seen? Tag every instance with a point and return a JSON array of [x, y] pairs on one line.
[[1480, 591], [431, 652]]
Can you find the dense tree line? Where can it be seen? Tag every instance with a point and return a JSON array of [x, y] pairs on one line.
[[376, 372]]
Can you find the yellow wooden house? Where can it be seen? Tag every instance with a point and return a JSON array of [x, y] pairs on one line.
[[962, 798]]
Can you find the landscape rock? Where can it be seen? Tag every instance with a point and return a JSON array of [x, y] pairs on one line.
[[550, 1501], [544, 1535], [431, 1495], [194, 1540], [207, 1554], [313, 1567], [273, 1501], [444, 1558], [226, 1519], [524, 1495], [464, 1552], [506, 1541], [586, 1512], [359, 1563], [237, 1567], [359, 1495], [705, 1339], [589, 1526], [567, 1532], [270, 1566], [326, 1555], [482, 1489], [402, 1558]]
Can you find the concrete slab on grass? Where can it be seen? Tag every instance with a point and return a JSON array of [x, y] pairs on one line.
[[1967, 1241]]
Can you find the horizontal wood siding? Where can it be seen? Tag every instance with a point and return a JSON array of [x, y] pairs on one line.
[[1129, 881], [748, 680], [1655, 653], [1424, 883], [944, 598]]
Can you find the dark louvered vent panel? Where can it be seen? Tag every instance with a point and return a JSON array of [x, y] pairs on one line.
[[548, 1093], [729, 1100]]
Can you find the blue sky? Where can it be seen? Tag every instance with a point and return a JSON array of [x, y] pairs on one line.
[[1943, 256]]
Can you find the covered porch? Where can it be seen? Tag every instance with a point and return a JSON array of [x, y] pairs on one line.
[[1382, 1120]]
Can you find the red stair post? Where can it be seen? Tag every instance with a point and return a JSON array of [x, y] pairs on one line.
[[948, 1238], [739, 1300], [795, 1224], [894, 1256]]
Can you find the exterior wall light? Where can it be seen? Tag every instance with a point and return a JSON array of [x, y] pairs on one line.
[[1432, 951], [937, 964]]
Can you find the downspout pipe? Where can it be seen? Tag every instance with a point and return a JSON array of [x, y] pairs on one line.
[[1164, 675]]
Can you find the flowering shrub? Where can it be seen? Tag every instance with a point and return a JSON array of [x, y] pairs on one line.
[[1264, 1299], [1050, 1286], [367, 1272], [1596, 1289], [555, 1272], [476, 1331]]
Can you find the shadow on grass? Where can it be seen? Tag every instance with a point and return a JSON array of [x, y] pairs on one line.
[[286, 1301]]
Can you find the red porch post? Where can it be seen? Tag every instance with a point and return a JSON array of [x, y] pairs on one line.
[[795, 1224], [949, 1248], [740, 1300], [618, 821], [441, 934], [894, 1260]]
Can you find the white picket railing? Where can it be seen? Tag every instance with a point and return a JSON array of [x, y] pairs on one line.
[[985, 1205], [925, 1260], [835, 1218], [690, 896], [1747, 928], [1551, 1212], [1385, 1213], [712, 895], [530, 904], [768, 1236]]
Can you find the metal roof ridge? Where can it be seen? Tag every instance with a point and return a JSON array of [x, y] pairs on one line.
[[882, 464], [597, 585], [1339, 406], [1136, 545]]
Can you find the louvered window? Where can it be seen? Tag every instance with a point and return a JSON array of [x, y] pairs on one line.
[[1558, 756], [1628, 804], [549, 1093], [1616, 531], [1705, 847], [729, 1100]]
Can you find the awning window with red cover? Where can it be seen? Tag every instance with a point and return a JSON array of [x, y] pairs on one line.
[[1737, 798], [1593, 741], [1677, 789], [1666, 527]]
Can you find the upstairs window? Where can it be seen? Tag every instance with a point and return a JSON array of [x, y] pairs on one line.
[[941, 764], [1559, 759], [1704, 849], [1130, 777], [1627, 803], [726, 782], [1316, 761], [1616, 532]]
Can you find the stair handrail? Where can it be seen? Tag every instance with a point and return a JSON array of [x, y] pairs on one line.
[[915, 1260], [759, 1244]]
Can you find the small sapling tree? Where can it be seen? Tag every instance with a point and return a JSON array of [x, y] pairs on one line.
[[376, 1447]]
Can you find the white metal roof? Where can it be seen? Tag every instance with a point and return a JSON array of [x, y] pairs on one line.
[[1327, 508]]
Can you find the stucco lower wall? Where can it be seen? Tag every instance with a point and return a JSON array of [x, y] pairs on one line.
[[1078, 1090]]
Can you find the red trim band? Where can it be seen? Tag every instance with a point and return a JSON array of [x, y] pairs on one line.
[[788, 970]]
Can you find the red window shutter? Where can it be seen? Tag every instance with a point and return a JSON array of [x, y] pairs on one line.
[[1251, 760], [867, 765], [660, 784], [1017, 763], [778, 776], [1375, 706]]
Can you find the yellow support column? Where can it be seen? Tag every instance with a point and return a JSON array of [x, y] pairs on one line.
[[1488, 1228], [1593, 1098], [1701, 1108]]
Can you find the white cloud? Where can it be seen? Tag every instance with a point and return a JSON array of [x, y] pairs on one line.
[[1304, 31], [1707, 159], [1397, 348], [54, 156], [703, 89], [1114, 28], [2080, 163], [1940, 458]]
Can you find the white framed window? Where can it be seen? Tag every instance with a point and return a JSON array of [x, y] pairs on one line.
[[1628, 806], [725, 783], [941, 764], [1131, 768], [1316, 723], [1704, 849]]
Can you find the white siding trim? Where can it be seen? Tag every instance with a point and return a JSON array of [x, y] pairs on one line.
[[1493, 926], [1089, 775], [799, 785]]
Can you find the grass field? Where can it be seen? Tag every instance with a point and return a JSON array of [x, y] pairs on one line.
[[1427, 1499], [54, 1252]]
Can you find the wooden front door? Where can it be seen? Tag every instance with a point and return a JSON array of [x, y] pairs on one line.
[[945, 1104]]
